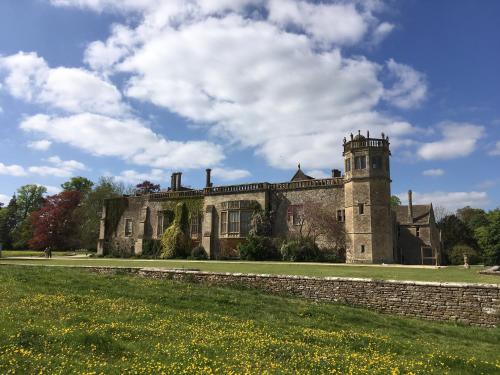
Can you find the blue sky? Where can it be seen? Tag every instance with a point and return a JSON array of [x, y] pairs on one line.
[[250, 88]]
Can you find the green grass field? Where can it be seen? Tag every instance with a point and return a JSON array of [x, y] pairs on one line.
[[448, 274], [62, 321]]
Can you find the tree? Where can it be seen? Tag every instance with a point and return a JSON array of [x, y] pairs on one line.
[[55, 224], [79, 183], [488, 238], [455, 232], [29, 199], [147, 187], [90, 210], [472, 217], [395, 201], [9, 220]]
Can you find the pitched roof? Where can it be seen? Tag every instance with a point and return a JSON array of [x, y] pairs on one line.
[[421, 214], [301, 176]]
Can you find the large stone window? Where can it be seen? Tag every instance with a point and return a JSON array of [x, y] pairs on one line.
[[236, 218], [195, 225], [347, 165], [360, 162]]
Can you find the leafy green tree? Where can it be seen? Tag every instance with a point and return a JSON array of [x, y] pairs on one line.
[[29, 199], [90, 210], [395, 201], [488, 238], [22, 234], [472, 217], [455, 232], [9, 220], [79, 183]]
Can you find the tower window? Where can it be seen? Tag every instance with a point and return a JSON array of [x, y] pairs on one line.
[[376, 162], [362, 248], [417, 231], [128, 227], [341, 215], [360, 162], [361, 208], [347, 165]]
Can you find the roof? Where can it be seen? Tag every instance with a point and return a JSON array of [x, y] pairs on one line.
[[421, 214], [301, 176]]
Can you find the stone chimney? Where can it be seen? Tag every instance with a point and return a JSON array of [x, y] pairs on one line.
[[410, 207], [178, 182], [173, 181], [336, 173], [208, 183]]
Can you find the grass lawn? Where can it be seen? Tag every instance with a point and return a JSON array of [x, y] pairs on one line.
[[61, 321], [450, 274], [41, 254]]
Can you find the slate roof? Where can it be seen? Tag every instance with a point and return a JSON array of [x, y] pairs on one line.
[[301, 176], [421, 214]]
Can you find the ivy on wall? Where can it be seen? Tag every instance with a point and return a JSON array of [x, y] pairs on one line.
[[115, 208], [193, 205]]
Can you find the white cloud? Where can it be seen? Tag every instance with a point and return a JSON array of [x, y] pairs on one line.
[[126, 138], [59, 167], [459, 140], [496, 149], [131, 176], [71, 89], [12, 170], [382, 31], [318, 173], [5, 199], [410, 87], [51, 190], [42, 145], [433, 172], [449, 200], [230, 174]]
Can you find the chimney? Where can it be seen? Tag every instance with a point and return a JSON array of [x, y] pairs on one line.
[[410, 208], [336, 173], [208, 183], [172, 181], [178, 180]]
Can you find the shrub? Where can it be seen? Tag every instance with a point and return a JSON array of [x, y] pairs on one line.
[[300, 250], [457, 254], [151, 248], [174, 242], [199, 253], [258, 248], [332, 255], [120, 247]]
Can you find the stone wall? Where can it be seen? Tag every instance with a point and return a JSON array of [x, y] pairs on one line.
[[474, 304]]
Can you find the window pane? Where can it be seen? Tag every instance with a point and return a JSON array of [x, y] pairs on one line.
[[223, 222], [128, 227], [348, 165], [246, 220], [376, 162], [234, 221], [159, 226]]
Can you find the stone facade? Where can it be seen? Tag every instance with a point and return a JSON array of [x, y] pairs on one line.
[[360, 200], [474, 304]]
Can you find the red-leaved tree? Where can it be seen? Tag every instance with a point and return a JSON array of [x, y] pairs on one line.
[[55, 224]]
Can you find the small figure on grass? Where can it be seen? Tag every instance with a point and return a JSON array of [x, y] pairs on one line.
[[48, 252]]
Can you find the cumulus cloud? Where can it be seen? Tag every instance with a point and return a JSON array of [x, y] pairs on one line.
[[58, 167], [410, 87], [12, 170], [5, 199], [131, 176], [449, 200], [496, 149], [433, 172], [458, 140], [75, 90], [227, 174], [129, 139], [41, 145], [51, 190]]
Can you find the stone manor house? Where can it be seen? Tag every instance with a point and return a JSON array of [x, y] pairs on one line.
[[360, 200]]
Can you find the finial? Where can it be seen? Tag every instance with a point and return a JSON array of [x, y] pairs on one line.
[[352, 136], [299, 165], [383, 135], [359, 132], [344, 140], [367, 134]]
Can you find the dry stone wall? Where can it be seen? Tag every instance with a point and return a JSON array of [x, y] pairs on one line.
[[474, 304]]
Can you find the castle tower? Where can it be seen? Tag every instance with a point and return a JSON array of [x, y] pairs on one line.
[[367, 189]]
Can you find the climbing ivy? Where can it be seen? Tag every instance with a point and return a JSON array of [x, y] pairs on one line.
[[115, 207], [193, 205]]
